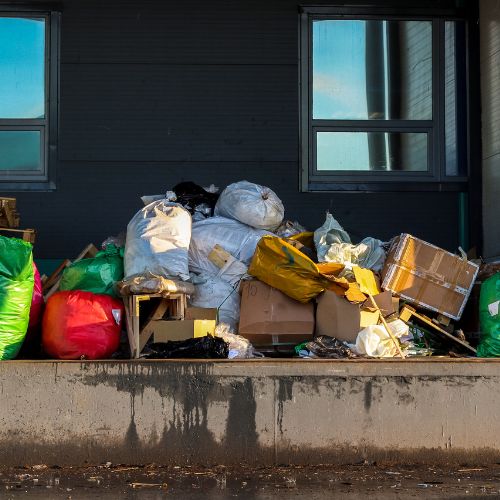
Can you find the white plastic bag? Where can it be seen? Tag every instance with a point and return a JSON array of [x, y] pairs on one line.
[[375, 341], [157, 242], [213, 292], [239, 347], [251, 204], [236, 238], [333, 244]]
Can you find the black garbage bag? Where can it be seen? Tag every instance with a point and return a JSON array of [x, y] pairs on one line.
[[191, 196], [324, 346], [198, 348]]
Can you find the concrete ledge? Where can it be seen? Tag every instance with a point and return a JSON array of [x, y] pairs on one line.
[[261, 412]]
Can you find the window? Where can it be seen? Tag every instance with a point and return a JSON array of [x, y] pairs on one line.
[[28, 99], [383, 101]]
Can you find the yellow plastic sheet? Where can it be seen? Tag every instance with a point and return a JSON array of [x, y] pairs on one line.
[[282, 266]]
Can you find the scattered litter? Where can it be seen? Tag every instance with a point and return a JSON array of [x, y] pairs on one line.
[[149, 485]]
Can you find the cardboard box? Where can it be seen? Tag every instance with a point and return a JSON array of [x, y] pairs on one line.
[[268, 317], [428, 276], [339, 318], [198, 322]]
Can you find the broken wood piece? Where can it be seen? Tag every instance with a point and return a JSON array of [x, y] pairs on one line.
[[219, 257], [386, 326], [24, 234], [9, 217], [408, 312], [87, 253], [49, 282]]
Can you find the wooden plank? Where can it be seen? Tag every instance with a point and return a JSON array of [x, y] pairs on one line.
[[24, 234], [87, 253], [51, 280], [408, 312]]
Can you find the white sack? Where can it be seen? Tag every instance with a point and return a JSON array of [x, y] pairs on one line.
[[234, 237], [251, 204], [213, 292], [157, 242], [333, 244], [375, 341]]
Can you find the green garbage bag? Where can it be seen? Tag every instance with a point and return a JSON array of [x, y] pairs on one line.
[[16, 291], [489, 316], [96, 275]]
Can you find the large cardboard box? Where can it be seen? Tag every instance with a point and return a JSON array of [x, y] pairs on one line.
[[268, 317], [198, 322], [339, 318], [428, 276]]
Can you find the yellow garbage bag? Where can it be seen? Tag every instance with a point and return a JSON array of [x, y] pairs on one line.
[[282, 266]]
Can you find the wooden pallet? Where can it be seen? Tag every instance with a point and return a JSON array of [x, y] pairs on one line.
[[24, 234], [9, 217], [138, 327], [407, 313]]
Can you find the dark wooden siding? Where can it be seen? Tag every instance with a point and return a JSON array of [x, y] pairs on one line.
[[156, 92]]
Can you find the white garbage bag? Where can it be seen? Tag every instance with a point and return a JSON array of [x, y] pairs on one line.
[[213, 292], [158, 238], [251, 204], [333, 244], [236, 238], [375, 341]]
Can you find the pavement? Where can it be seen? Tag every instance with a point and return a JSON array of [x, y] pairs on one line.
[[152, 482]]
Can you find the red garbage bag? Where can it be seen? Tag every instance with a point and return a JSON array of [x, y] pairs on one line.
[[80, 324]]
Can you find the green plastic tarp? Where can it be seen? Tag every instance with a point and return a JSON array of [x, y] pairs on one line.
[[96, 275], [16, 291], [489, 316]]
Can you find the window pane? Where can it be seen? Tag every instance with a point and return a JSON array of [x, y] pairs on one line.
[[372, 70], [455, 109], [370, 151], [20, 150], [22, 68]]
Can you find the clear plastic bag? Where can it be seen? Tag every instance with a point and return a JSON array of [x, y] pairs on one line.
[[333, 244], [239, 347]]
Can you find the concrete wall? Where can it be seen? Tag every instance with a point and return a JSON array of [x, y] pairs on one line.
[[260, 412], [490, 90]]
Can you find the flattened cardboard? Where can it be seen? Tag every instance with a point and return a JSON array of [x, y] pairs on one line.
[[428, 276], [269, 317], [337, 317], [198, 322]]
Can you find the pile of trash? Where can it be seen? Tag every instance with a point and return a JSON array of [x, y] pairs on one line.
[[206, 275]]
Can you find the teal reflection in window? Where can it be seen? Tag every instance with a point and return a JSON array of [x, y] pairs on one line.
[[20, 150], [22, 67]]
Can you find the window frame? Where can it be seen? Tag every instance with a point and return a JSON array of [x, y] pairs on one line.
[[435, 179], [44, 179]]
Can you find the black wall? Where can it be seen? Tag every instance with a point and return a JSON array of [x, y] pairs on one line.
[[155, 92]]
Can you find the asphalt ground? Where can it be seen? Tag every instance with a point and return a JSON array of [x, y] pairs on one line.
[[152, 482]]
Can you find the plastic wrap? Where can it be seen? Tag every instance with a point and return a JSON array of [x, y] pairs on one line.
[[234, 237], [213, 292], [79, 324], [97, 274], [149, 283], [16, 294], [282, 266], [239, 347], [254, 205], [374, 340], [333, 244], [158, 238]]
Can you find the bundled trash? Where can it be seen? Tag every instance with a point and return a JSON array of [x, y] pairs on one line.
[[158, 238], [16, 294], [197, 348], [253, 205], [203, 275], [324, 346]]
